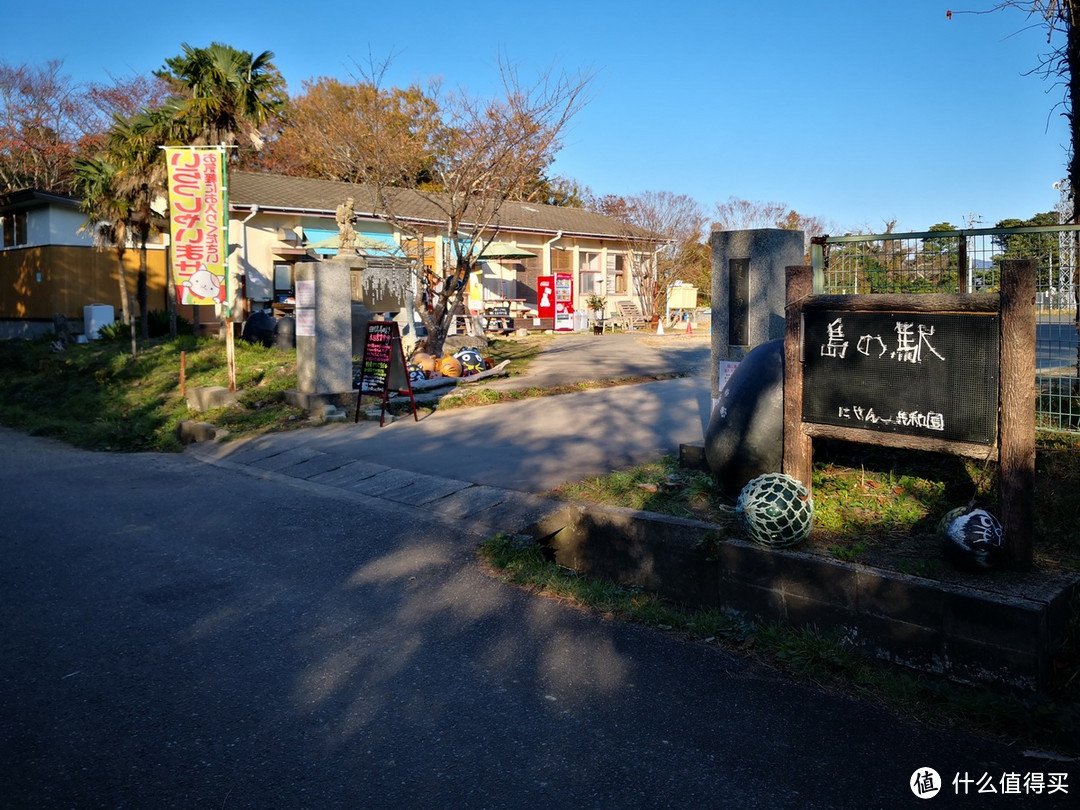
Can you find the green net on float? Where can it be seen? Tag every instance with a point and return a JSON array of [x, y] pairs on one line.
[[775, 510]]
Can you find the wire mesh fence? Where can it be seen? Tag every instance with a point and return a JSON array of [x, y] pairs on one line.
[[970, 261]]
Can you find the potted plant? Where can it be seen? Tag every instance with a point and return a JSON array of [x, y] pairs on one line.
[[597, 304]]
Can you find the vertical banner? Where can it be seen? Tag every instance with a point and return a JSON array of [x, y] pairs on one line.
[[564, 302], [198, 223]]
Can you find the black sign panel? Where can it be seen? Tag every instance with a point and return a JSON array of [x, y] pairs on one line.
[[383, 364], [738, 302], [378, 355], [920, 374]]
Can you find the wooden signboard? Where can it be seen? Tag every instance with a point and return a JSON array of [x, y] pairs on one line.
[[382, 368], [947, 373], [929, 374]]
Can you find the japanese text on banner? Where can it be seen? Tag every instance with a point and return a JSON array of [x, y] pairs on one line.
[[197, 224]]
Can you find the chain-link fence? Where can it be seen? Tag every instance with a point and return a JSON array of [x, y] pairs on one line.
[[969, 261]]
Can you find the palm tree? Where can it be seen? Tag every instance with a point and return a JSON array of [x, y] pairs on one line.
[[225, 95], [132, 146], [107, 217]]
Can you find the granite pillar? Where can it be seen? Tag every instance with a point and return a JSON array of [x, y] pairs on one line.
[[323, 328], [748, 292]]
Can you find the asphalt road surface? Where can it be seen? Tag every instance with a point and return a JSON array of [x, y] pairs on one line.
[[177, 635]]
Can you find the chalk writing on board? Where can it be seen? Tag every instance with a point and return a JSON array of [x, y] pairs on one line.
[[912, 343], [378, 354], [929, 420], [928, 374]]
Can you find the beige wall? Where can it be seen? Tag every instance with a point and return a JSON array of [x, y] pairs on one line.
[[261, 234]]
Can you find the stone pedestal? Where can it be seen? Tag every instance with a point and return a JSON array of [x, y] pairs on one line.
[[323, 328]]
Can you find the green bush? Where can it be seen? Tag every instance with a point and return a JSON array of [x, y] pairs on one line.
[[157, 323]]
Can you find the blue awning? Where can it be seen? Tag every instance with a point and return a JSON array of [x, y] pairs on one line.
[[325, 242]]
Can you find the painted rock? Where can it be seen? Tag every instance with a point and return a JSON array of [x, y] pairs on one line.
[[450, 366], [745, 436], [971, 539], [471, 361]]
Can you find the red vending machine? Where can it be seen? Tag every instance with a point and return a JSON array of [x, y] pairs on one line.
[[555, 296]]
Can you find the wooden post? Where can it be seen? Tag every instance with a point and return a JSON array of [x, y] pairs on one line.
[[230, 354], [798, 447], [1016, 414]]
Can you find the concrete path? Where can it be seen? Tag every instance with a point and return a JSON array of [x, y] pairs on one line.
[[531, 445]]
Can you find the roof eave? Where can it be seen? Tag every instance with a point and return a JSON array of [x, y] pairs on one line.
[[323, 212]]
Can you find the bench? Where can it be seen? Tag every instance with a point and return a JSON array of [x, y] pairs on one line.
[[630, 315]]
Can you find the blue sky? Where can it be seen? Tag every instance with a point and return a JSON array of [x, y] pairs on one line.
[[855, 111]]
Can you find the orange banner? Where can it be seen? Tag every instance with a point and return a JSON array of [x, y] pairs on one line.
[[198, 220]]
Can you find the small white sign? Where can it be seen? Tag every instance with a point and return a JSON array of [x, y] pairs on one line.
[[305, 293], [727, 368], [305, 322]]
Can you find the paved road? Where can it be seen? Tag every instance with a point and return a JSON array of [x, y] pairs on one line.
[[530, 445], [178, 635], [1055, 345]]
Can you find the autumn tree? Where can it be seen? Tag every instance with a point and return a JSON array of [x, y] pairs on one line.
[[737, 215], [339, 131], [663, 242], [47, 119], [465, 157]]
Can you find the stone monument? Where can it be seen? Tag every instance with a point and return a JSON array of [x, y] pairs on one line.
[[323, 336], [748, 291], [744, 436]]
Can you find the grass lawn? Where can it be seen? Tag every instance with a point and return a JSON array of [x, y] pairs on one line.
[[96, 396]]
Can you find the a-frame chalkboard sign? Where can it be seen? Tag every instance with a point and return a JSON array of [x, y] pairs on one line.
[[383, 370]]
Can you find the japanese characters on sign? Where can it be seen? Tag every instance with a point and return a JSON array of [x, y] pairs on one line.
[[926, 374], [198, 222], [378, 356]]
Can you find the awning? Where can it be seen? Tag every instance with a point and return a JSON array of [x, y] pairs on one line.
[[360, 242], [504, 250]]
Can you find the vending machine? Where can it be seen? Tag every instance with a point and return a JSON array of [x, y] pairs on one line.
[[555, 300]]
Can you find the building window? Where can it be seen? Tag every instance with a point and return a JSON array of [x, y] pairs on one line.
[[283, 282], [14, 229], [616, 274], [590, 282]]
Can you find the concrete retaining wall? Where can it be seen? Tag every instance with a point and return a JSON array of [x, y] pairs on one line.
[[966, 634]]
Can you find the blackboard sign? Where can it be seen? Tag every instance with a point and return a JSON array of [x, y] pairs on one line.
[[914, 373], [499, 312], [378, 356], [382, 368]]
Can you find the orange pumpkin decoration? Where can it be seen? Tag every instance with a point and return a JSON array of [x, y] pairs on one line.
[[450, 366], [425, 361]]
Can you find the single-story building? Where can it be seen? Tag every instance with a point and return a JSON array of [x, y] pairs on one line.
[[48, 266], [278, 220]]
